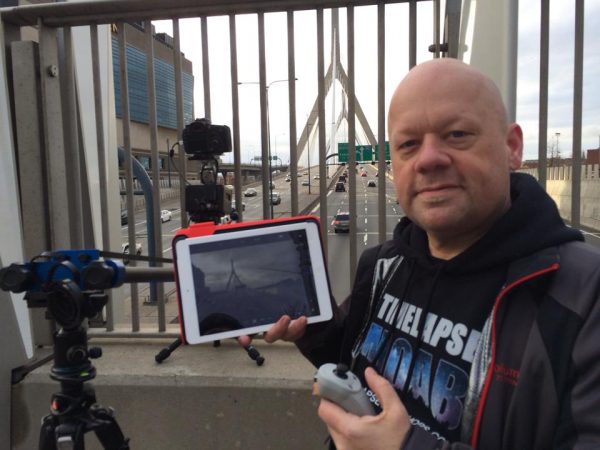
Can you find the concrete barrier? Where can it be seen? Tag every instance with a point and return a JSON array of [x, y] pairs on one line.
[[558, 186], [201, 397]]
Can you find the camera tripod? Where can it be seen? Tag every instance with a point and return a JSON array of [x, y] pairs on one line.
[[70, 284], [74, 410]]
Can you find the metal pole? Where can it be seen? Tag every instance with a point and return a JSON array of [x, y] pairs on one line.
[[269, 152], [169, 161], [293, 162], [264, 115], [412, 34], [321, 122], [177, 64], [128, 166], [577, 107], [308, 154], [543, 103], [352, 146]]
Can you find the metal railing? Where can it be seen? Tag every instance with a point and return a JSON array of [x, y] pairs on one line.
[[60, 121], [62, 188]]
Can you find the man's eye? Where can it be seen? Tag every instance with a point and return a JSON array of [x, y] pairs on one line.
[[457, 134], [408, 144]]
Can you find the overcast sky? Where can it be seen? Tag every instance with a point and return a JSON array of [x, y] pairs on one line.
[[560, 109]]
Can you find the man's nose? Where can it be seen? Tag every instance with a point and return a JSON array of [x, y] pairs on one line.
[[432, 154]]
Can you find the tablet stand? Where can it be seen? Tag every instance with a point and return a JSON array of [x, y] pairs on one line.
[[166, 352]]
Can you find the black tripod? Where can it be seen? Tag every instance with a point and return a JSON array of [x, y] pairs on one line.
[[52, 281], [74, 410], [166, 352]]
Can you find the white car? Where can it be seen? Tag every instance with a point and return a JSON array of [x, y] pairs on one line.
[[125, 250], [165, 215], [234, 206], [250, 192]]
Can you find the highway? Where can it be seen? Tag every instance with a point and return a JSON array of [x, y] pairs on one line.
[[338, 245]]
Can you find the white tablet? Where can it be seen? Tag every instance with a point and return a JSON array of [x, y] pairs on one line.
[[241, 280]]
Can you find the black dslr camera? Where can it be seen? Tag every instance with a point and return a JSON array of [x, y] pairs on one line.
[[204, 142]]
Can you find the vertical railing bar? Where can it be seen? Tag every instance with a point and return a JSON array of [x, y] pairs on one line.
[[180, 119], [264, 118], [381, 166], [436, 28], [235, 106], [293, 169], [452, 24], [205, 67], [412, 34], [543, 105], [577, 112], [53, 165], [157, 290], [102, 172], [321, 121], [72, 152], [128, 166], [511, 59], [352, 145]]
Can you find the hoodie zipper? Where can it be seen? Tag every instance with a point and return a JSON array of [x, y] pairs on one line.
[[488, 378]]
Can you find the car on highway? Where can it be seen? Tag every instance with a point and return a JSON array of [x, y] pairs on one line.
[[124, 219], [341, 222], [316, 177], [250, 192], [371, 183], [275, 198], [340, 186], [342, 178], [306, 183], [125, 251], [165, 215], [234, 206], [288, 178]]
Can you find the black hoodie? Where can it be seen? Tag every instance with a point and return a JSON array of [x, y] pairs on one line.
[[425, 324]]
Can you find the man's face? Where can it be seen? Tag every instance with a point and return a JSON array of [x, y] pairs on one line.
[[451, 155]]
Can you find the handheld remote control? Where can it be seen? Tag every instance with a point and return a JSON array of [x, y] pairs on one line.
[[337, 384]]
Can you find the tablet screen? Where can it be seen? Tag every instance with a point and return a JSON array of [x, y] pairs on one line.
[[248, 281]]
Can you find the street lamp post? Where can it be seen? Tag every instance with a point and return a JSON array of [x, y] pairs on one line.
[[268, 135]]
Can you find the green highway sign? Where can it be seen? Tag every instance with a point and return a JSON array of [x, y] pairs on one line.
[[364, 153]]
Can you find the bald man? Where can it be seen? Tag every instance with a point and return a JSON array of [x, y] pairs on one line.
[[477, 325]]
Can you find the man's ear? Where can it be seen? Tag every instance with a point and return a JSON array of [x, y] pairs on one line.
[[514, 145]]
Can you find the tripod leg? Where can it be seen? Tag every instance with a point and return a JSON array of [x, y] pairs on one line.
[[60, 436], [166, 352], [47, 439], [109, 434]]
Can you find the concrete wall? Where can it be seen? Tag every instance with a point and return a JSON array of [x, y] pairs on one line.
[[200, 398], [558, 186]]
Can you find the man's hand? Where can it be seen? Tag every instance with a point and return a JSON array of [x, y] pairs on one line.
[[285, 329], [385, 431]]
